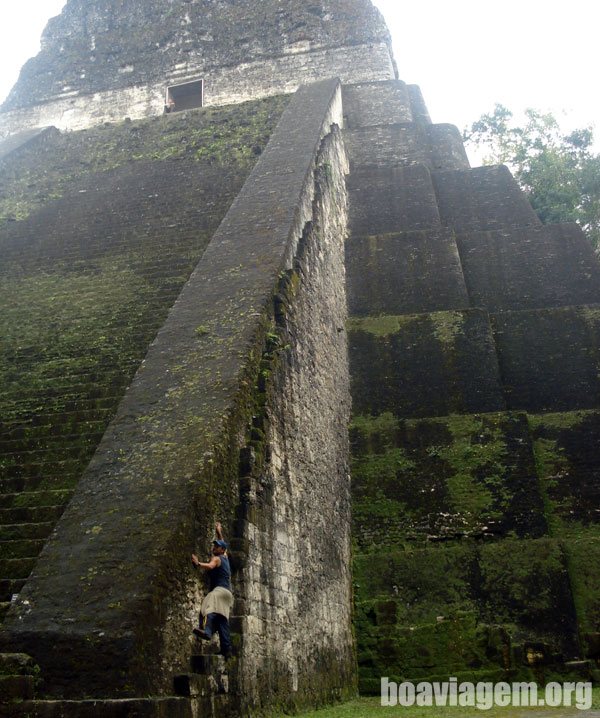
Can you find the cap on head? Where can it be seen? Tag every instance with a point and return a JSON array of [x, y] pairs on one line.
[[220, 543]]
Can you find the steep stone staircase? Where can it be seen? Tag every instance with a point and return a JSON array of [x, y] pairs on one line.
[[99, 230]]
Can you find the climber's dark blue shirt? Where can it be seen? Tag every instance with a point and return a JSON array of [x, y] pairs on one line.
[[220, 577]]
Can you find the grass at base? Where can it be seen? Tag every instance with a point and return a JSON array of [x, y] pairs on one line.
[[372, 708]]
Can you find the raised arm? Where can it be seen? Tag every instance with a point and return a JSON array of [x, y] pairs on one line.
[[213, 563]]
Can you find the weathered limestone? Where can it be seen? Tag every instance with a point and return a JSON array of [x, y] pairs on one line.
[[482, 199], [114, 593], [530, 267], [462, 510], [404, 273], [296, 508], [438, 147], [93, 69], [392, 199], [473, 342]]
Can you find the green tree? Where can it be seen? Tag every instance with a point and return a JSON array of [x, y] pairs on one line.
[[559, 172]]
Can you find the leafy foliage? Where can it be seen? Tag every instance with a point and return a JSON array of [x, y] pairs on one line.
[[559, 172]]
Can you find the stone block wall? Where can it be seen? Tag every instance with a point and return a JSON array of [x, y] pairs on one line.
[[228, 417], [435, 146], [464, 337], [482, 199], [385, 198], [424, 364], [295, 516], [114, 60], [404, 273], [376, 103], [549, 358], [529, 267]]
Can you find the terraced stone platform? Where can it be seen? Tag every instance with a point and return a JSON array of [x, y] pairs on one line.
[[474, 369]]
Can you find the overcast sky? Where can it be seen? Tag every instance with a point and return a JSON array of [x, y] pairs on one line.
[[465, 54]]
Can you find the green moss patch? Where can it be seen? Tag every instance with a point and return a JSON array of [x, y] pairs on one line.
[[525, 584], [443, 479], [583, 556], [567, 451], [424, 364], [460, 608], [233, 135]]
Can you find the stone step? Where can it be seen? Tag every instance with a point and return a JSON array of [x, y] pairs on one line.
[[14, 484], [41, 482], [81, 393], [52, 420], [207, 663], [9, 587], [27, 548], [53, 425], [25, 431], [170, 707], [52, 468], [15, 568], [19, 688], [71, 383], [30, 499], [20, 532], [45, 454], [47, 443], [201, 686], [34, 515]]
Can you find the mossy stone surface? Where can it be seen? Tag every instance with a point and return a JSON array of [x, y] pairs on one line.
[[462, 608], [424, 364], [443, 479], [109, 225], [567, 450]]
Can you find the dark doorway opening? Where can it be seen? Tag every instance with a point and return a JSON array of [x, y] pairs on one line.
[[186, 96]]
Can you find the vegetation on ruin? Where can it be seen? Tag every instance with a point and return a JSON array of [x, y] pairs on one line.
[[85, 286], [229, 135], [424, 599], [559, 171], [462, 465]]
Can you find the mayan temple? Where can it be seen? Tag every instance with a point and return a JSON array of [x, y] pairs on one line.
[[244, 278]]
